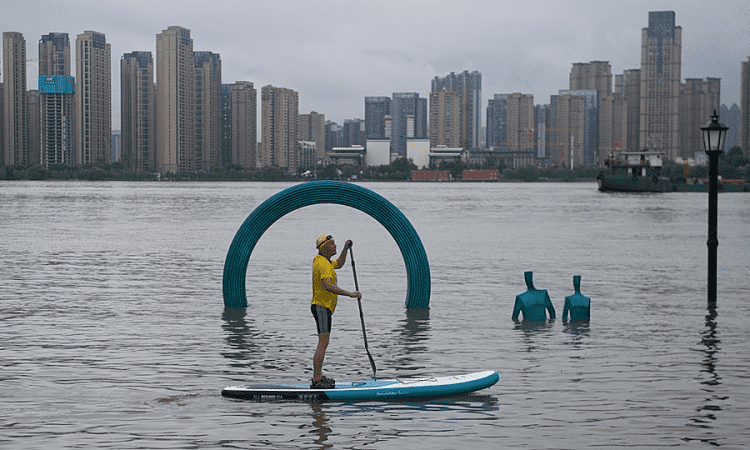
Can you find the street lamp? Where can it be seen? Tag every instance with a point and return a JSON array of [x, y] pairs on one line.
[[713, 143]]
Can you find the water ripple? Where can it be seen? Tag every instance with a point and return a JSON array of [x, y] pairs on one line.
[[114, 333]]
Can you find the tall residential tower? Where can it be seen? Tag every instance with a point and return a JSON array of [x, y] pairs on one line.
[[408, 120], [661, 69], [175, 102], [93, 99], [510, 122], [56, 100], [631, 86], [207, 109], [445, 118], [698, 100], [574, 128], [745, 108], [244, 124], [279, 110], [138, 112], [14, 147], [376, 110], [597, 76], [312, 127], [468, 85]]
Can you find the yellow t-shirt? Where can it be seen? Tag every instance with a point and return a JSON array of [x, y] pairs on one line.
[[322, 269]]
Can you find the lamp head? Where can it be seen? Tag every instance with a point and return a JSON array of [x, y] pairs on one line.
[[714, 134]]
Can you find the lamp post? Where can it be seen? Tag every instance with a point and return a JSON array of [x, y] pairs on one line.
[[713, 143]]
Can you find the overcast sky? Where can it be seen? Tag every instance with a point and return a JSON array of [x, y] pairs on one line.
[[334, 53]]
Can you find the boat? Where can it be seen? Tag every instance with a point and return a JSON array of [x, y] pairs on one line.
[[642, 172]]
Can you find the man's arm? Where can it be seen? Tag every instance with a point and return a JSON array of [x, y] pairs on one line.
[[337, 290], [342, 256]]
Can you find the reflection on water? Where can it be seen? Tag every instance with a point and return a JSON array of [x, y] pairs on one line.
[[578, 331], [414, 329], [411, 336], [240, 336], [711, 342], [407, 414], [320, 426], [118, 312], [710, 380], [531, 329]]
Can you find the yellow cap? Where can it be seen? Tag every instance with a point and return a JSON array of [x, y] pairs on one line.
[[322, 239]]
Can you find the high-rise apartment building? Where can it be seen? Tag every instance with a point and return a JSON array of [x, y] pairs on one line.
[[745, 107], [592, 76], [207, 109], [376, 110], [698, 100], [729, 116], [56, 101], [541, 124], [597, 76], [312, 127], [468, 85], [54, 54], [334, 135], [510, 122], [225, 124], [57, 117], [631, 80], [175, 102], [244, 124], [618, 136], [2, 124], [15, 148], [138, 112], [521, 122], [408, 120], [93, 99], [445, 118], [497, 116], [661, 68], [353, 132], [35, 148], [574, 128], [279, 111]]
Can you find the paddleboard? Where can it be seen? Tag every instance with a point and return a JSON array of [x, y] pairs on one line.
[[370, 389]]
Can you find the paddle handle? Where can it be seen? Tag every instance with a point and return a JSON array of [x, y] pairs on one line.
[[354, 269]]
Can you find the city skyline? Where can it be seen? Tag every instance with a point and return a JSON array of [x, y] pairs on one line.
[[343, 58]]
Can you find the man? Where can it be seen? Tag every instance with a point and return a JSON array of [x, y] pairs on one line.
[[325, 296]]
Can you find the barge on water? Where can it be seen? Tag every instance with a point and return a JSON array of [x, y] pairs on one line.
[[642, 172]]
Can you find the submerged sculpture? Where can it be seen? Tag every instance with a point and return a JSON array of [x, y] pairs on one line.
[[534, 303], [313, 193], [577, 304]]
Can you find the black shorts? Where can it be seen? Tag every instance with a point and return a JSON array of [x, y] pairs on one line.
[[322, 318]]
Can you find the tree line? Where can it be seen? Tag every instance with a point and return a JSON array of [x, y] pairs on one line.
[[732, 165]]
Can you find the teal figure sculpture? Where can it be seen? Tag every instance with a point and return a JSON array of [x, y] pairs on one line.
[[534, 303], [578, 305]]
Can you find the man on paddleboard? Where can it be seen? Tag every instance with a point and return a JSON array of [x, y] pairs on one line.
[[325, 296]]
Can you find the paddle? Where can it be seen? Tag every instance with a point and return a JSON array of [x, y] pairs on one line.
[[361, 316]]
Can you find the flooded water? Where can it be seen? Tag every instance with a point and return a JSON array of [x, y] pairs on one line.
[[113, 331]]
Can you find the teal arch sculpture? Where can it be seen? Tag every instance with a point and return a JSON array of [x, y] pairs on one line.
[[316, 192]]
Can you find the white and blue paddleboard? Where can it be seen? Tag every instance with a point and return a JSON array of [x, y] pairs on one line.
[[371, 389]]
